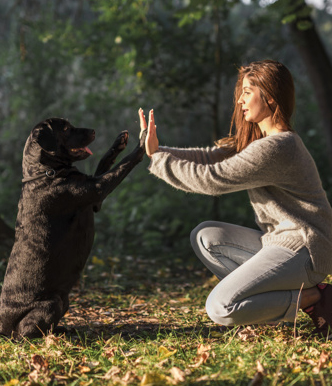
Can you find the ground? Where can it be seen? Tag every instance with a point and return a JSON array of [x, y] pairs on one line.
[[144, 323]]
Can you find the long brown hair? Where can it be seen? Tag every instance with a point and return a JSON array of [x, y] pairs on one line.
[[275, 82]]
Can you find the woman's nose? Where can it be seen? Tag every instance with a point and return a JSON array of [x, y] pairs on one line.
[[240, 100]]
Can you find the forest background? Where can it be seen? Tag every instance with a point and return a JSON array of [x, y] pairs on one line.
[[96, 62]]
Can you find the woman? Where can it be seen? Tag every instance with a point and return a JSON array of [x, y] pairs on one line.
[[265, 275]]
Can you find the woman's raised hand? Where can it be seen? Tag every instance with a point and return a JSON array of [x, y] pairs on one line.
[[151, 143]]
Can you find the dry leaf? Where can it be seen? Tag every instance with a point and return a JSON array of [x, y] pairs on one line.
[[260, 367], [91, 365], [259, 376], [314, 351], [129, 377], [216, 334], [201, 349], [323, 359], [200, 359], [211, 282], [164, 353], [39, 363], [178, 375], [111, 372], [153, 379], [97, 261], [51, 340], [208, 377], [110, 352], [247, 334], [33, 376], [12, 382], [84, 369], [202, 355]]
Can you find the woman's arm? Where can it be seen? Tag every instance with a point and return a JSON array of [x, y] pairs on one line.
[[264, 162]]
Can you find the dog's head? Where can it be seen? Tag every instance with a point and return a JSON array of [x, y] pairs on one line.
[[60, 141]]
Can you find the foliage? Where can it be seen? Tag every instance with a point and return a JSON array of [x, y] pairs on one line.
[[96, 62]]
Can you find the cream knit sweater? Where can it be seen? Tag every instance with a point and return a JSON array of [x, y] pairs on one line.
[[283, 183]]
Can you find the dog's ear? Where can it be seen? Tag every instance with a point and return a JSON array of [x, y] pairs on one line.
[[44, 136]]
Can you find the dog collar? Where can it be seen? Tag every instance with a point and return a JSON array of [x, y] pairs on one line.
[[48, 173]]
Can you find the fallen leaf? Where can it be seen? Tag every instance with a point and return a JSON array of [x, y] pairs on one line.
[[34, 376], [84, 369], [110, 352], [259, 376], [129, 378], [178, 375], [92, 365], [247, 334], [314, 351], [201, 349], [211, 282], [51, 340], [202, 355], [39, 363], [111, 372], [97, 261], [323, 359], [216, 334], [164, 353], [12, 382], [260, 367], [154, 379], [200, 360]]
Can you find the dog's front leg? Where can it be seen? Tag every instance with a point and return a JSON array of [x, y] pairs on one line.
[[109, 158], [109, 181]]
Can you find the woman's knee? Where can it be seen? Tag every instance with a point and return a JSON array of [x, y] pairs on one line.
[[195, 234], [203, 233], [220, 312]]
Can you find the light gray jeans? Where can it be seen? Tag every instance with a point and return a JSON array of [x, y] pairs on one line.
[[257, 284]]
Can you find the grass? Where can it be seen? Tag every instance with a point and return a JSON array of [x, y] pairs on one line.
[[142, 322]]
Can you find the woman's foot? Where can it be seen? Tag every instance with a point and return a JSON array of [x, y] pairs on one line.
[[321, 311]]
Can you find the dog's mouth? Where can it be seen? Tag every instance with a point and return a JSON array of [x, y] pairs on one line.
[[81, 151]]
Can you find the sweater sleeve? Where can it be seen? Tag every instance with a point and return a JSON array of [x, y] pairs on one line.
[[204, 156], [262, 163]]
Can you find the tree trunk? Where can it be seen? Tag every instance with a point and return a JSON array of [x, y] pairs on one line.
[[319, 68]]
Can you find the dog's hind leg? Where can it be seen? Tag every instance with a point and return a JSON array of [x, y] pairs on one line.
[[41, 319], [109, 158]]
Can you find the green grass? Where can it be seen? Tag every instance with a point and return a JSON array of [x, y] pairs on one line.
[[141, 322]]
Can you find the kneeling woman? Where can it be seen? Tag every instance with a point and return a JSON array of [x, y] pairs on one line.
[[267, 274]]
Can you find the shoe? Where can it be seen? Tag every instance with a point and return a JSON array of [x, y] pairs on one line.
[[321, 312]]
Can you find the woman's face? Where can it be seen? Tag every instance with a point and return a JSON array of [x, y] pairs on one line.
[[254, 108]]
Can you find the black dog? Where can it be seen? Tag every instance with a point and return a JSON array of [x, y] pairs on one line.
[[55, 223]]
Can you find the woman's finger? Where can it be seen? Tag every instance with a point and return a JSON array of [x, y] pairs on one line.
[[142, 120], [152, 125]]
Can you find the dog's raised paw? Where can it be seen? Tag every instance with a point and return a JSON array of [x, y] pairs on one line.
[[121, 141]]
